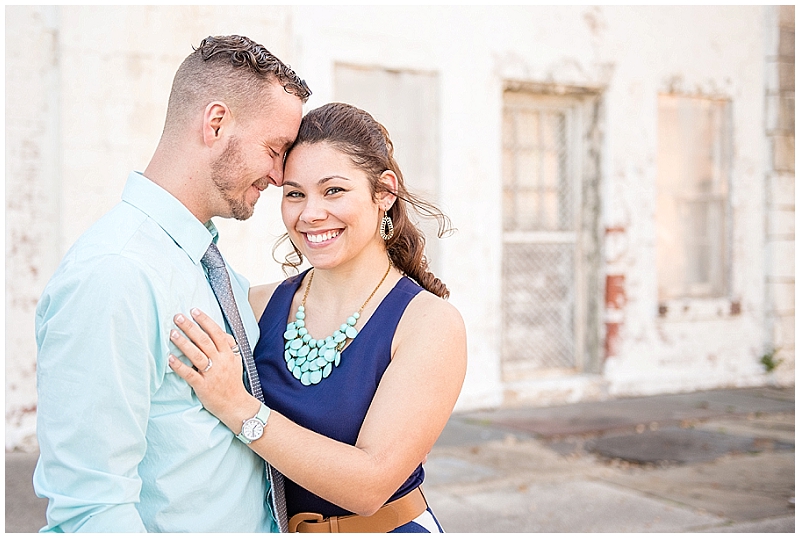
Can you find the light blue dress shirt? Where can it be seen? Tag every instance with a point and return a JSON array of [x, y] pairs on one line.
[[125, 444]]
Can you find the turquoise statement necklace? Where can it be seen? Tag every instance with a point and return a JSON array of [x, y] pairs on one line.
[[310, 360]]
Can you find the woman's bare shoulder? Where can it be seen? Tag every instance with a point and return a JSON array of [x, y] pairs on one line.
[[259, 297], [430, 314], [430, 345]]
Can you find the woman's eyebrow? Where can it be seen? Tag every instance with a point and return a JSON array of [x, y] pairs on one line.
[[328, 178], [320, 182]]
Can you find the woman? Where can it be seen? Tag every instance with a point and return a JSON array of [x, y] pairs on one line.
[[354, 412]]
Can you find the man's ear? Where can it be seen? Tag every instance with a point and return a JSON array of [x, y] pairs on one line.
[[216, 119], [386, 199]]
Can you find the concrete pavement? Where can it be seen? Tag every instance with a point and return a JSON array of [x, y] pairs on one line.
[[716, 461]]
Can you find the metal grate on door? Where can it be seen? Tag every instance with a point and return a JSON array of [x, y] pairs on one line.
[[538, 299], [540, 222]]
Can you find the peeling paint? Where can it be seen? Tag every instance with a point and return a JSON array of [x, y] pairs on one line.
[[615, 291], [612, 342], [595, 20], [639, 344]]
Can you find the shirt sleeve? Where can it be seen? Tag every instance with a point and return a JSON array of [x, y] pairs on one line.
[[96, 330]]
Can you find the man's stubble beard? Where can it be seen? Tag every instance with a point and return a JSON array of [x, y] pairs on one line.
[[226, 172]]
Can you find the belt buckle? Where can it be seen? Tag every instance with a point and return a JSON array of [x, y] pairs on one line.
[[304, 517]]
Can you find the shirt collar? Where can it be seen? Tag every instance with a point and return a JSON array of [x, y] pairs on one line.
[[168, 212]]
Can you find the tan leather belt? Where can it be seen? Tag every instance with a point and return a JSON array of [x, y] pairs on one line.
[[389, 517]]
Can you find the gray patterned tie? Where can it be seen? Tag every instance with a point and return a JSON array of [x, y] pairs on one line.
[[221, 284]]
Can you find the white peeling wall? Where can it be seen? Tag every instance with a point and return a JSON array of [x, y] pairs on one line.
[[780, 191], [633, 54], [86, 94], [81, 123], [32, 202], [714, 51]]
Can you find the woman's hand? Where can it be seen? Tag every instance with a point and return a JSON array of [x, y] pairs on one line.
[[217, 374]]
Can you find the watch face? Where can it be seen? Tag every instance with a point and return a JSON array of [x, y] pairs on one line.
[[252, 429]]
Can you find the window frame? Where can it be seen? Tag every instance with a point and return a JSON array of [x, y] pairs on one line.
[[703, 302]]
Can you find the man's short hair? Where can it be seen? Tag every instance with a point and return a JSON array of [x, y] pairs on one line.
[[233, 69]]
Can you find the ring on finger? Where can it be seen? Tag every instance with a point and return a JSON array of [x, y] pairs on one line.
[[208, 367], [235, 348]]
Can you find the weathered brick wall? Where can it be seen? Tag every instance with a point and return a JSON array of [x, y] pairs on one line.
[[780, 192], [86, 92], [691, 343], [33, 204]]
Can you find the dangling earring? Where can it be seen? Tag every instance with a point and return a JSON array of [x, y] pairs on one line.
[[387, 228]]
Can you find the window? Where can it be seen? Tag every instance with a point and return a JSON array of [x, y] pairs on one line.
[[692, 197], [407, 104], [542, 261]]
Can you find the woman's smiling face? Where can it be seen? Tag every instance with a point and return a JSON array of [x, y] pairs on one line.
[[328, 207]]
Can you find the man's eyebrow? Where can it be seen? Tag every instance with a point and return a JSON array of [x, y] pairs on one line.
[[284, 142]]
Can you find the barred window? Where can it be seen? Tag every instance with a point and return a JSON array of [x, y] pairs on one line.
[[537, 192], [692, 197], [541, 194]]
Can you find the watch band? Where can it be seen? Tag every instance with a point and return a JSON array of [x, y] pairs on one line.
[[263, 417]]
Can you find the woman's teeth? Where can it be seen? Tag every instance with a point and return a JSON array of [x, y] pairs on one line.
[[319, 238]]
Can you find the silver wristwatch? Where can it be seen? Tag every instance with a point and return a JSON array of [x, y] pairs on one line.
[[253, 428]]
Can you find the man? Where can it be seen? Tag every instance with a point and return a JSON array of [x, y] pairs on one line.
[[125, 444]]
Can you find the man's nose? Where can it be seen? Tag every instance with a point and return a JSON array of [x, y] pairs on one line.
[[276, 175]]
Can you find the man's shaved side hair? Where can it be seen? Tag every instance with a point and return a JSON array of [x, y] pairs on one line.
[[232, 69]]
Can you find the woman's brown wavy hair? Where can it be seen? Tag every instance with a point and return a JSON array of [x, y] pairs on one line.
[[358, 135]]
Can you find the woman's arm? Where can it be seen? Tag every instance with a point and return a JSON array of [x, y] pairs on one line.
[[411, 406]]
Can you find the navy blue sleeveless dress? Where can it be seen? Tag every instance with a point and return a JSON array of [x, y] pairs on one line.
[[335, 407]]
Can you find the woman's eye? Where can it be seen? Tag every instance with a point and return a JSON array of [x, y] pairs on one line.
[[334, 190], [294, 194]]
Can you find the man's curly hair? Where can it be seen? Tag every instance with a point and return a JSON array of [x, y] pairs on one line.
[[241, 51], [233, 69]]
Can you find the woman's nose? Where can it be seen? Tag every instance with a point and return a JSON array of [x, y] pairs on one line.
[[312, 211]]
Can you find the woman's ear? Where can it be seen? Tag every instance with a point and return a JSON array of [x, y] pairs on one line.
[[387, 197], [216, 119]]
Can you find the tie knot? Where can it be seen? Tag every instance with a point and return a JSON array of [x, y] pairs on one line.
[[212, 258]]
